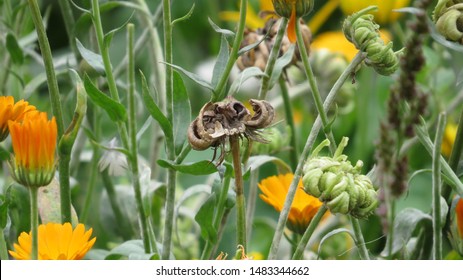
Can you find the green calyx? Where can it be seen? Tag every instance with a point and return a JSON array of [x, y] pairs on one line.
[[338, 183], [361, 30], [284, 8]]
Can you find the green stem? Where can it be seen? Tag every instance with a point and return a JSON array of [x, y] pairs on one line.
[[436, 189], [298, 254], [455, 156], [305, 153], [293, 152], [264, 86], [64, 185], [391, 209], [167, 19], [3, 247], [251, 205], [33, 194], [219, 89], [313, 85], [171, 173], [91, 186], [239, 188], [206, 254], [133, 137], [49, 68], [360, 241], [68, 18], [121, 218], [423, 136]]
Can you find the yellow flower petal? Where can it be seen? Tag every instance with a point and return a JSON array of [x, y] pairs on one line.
[[274, 190], [56, 242]]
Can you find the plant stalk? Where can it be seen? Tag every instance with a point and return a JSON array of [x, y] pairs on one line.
[[239, 189], [351, 68], [293, 152], [33, 194], [436, 189], [219, 89], [360, 241], [299, 253], [313, 85], [264, 86]]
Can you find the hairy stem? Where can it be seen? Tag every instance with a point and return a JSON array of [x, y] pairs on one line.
[[298, 254], [436, 189], [239, 188], [360, 241], [293, 152], [264, 86], [33, 194], [313, 85], [219, 89], [305, 153]]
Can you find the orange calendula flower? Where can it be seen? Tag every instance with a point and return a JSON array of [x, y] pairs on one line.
[[385, 13], [56, 242], [274, 190], [456, 225], [10, 111], [34, 143]]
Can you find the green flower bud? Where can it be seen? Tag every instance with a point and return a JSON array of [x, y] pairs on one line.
[[450, 24], [339, 184], [363, 32], [284, 8]]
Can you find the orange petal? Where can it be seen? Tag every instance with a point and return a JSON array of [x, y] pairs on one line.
[[291, 29]]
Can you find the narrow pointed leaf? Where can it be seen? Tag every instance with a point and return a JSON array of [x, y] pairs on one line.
[[93, 59], [154, 110], [221, 62], [204, 167], [280, 64], [205, 219], [115, 110], [194, 77], [181, 113], [15, 51]]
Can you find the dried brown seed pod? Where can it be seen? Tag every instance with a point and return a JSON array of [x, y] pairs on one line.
[[263, 114]]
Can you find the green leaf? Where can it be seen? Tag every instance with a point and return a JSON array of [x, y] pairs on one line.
[[4, 203], [115, 110], [217, 29], [247, 48], [132, 250], [221, 63], [4, 154], [195, 78], [93, 59], [280, 64], [185, 17], [15, 51], [181, 109], [50, 204], [244, 76], [109, 36], [255, 162], [332, 233], [204, 167], [405, 225], [205, 219], [154, 110], [38, 81]]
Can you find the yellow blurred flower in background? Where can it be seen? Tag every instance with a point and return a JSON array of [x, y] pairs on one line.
[[385, 13], [274, 190], [56, 242], [336, 42], [450, 134]]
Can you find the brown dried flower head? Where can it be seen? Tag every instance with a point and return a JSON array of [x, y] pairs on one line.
[[218, 121]]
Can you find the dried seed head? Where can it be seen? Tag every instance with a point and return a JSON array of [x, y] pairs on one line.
[[218, 121]]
